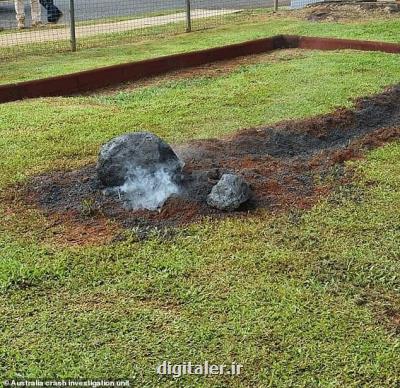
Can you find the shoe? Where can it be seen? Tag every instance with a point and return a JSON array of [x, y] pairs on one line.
[[21, 25], [55, 17]]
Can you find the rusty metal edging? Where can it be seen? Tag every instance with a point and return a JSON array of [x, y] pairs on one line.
[[311, 43], [111, 75]]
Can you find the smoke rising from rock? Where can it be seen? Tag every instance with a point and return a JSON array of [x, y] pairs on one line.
[[141, 169], [148, 189]]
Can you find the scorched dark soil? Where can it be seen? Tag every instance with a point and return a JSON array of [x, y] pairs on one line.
[[282, 163]]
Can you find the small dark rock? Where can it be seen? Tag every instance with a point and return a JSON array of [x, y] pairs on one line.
[[229, 193], [131, 151]]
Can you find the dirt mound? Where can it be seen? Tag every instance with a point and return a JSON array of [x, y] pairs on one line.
[[283, 164], [348, 11]]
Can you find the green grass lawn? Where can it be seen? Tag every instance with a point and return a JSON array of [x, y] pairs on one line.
[[305, 298], [133, 46]]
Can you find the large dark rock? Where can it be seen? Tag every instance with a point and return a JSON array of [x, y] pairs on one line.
[[131, 152], [229, 193]]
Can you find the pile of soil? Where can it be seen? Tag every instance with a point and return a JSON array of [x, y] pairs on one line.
[[283, 164], [348, 10]]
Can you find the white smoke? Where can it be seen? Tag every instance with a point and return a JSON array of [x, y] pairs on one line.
[[145, 189]]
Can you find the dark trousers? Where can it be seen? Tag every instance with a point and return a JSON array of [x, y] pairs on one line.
[[53, 13]]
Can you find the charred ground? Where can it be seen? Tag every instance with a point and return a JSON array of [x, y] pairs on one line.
[[284, 164], [346, 11]]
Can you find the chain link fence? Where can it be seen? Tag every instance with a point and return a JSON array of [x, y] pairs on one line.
[[60, 25]]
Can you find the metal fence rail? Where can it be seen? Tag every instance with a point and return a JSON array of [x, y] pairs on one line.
[[58, 25]]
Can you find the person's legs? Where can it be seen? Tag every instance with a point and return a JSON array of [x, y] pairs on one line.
[[20, 13], [53, 13], [36, 13]]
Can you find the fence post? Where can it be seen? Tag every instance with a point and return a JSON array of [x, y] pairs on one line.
[[276, 5], [72, 24], [188, 17]]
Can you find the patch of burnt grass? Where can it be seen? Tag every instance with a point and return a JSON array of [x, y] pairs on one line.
[[289, 165]]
